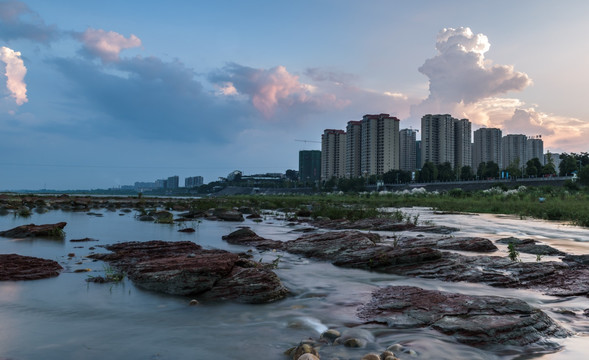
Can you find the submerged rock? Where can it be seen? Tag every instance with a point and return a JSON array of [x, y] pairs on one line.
[[185, 268], [32, 230], [19, 267], [472, 320]]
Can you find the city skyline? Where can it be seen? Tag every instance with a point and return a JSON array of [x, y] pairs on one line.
[[103, 94]]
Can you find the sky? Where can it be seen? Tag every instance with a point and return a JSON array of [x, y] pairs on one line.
[[99, 94]]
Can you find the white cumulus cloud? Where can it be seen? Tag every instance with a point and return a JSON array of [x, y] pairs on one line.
[[15, 74], [107, 45]]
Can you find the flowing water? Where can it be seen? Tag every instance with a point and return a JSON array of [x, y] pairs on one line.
[[67, 318]]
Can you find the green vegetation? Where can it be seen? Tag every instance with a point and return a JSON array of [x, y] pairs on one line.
[[513, 253], [558, 203]]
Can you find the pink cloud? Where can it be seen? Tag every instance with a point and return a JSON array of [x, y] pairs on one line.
[[107, 45], [15, 74]]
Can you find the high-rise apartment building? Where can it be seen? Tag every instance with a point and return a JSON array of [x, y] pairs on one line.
[[535, 148], [462, 143], [408, 150], [173, 182], [333, 154], [486, 147], [193, 181], [309, 166], [514, 147], [354, 149], [380, 144], [437, 139]]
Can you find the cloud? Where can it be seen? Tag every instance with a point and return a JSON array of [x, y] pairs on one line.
[[459, 72], [15, 74], [270, 90], [17, 21], [106, 45]]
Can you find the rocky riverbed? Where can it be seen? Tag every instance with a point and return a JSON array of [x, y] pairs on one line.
[[246, 273]]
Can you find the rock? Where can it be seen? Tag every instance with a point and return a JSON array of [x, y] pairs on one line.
[[17, 267], [32, 230], [308, 356], [83, 240], [302, 349], [531, 246], [193, 302], [371, 356], [330, 335], [477, 244], [227, 215], [580, 259], [380, 224], [187, 230], [472, 320], [245, 236], [163, 217], [146, 218], [185, 268]]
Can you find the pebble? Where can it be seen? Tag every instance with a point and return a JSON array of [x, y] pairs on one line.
[[371, 356], [193, 302]]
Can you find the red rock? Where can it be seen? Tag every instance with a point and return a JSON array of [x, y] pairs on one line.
[[19, 267], [32, 230]]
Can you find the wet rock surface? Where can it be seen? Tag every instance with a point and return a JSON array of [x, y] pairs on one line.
[[419, 257], [531, 246], [32, 230], [380, 224], [185, 268], [473, 320], [18, 267]]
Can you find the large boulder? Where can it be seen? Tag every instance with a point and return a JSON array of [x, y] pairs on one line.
[[19, 267], [245, 236], [185, 268], [531, 246], [473, 320], [32, 230]]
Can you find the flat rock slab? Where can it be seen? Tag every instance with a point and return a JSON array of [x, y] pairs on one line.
[[19, 267], [531, 246], [32, 230], [380, 224], [472, 320], [185, 268]]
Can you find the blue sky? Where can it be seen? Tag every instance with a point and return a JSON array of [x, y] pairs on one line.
[[96, 94]]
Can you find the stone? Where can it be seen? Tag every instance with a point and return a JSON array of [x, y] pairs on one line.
[[472, 320], [371, 356], [531, 246], [15, 267], [185, 268], [227, 215], [245, 236], [32, 230]]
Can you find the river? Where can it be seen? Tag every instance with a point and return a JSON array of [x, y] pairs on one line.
[[68, 318]]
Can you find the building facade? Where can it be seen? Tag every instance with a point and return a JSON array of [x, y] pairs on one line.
[[437, 139], [193, 181], [309, 166], [333, 154], [380, 144], [486, 147], [462, 143], [408, 149], [514, 148], [354, 149], [535, 148]]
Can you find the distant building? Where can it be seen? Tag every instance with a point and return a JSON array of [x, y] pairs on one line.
[[142, 186], [309, 166], [418, 154], [514, 147], [486, 147], [333, 154], [173, 182], [354, 149], [437, 139], [555, 158], [535, 148], [462, 143], [408, 149], [234, 175], [161, 183], [193, 181], [380, 144]]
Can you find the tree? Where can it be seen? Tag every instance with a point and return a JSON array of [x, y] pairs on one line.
[[396, 176], [353, 184], [514, 168], [428, 173], [491, 170], [533, 167], [481, 170], [584, 175], [445, 172], [567, 165], [292, 174], [466, 173], [548, 168]]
